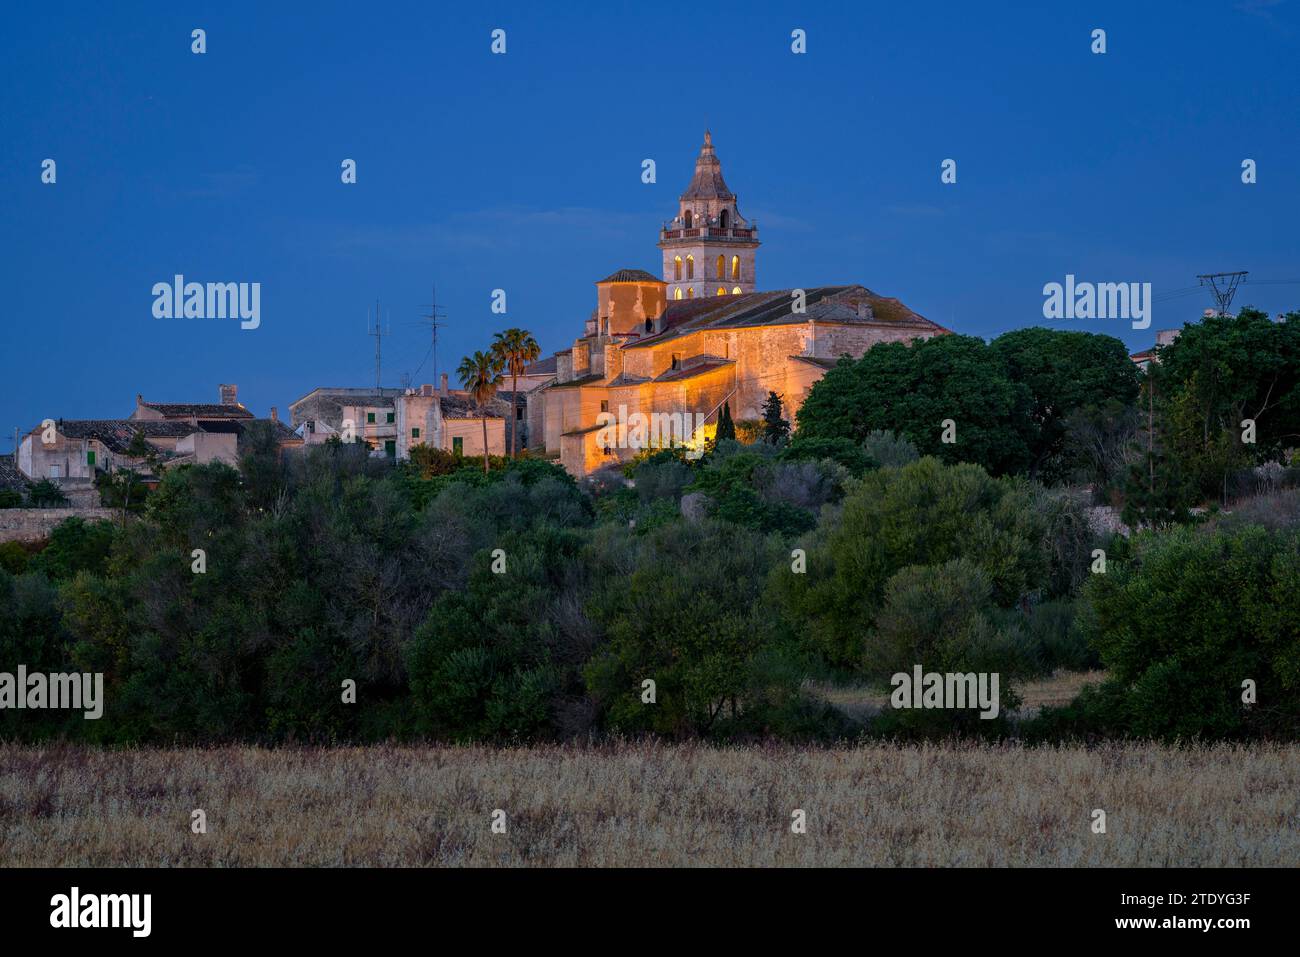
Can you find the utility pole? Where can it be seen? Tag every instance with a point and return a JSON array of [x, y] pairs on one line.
[[1223, 285], [378, 334], [433, 317]]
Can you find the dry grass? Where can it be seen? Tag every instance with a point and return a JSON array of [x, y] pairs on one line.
[[648, 804], [862, 703]]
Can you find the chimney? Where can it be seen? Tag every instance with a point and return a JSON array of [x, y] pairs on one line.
[[426, 389], [229, 394], [275, 415], [442, 387]]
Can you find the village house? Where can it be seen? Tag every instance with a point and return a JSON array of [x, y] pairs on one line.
[[702, 335], [394, 421], [71, 452]]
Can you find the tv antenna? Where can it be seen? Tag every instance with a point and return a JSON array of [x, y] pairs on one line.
[[378, 333], [1223, 285], [433, 319]]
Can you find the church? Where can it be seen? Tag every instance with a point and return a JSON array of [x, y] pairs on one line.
[[703, 335]]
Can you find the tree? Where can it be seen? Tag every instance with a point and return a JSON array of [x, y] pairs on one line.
[[1065, 372], [480, 375], [1217, 375], [513, 350], [45, 494], [951, 396], [775, 428], [726, 427]]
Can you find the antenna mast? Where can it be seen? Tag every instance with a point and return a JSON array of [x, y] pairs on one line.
[[378, 334], [433, 318], [1223, 285]]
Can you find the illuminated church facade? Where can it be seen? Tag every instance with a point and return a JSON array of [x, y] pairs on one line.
[[702, 335]]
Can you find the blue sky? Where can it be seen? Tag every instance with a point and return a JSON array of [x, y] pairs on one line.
[[522, 172]]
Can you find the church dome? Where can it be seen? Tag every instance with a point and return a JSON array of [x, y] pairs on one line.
[[631, 275]]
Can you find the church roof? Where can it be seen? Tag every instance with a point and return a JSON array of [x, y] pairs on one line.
[[632, 275], [708, 182], [846, 305]]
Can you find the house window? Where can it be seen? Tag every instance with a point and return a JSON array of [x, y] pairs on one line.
[[90, 458], [519, 412], [415, 433], [458, 445], [370, 418], [604, 405], [390, 448], [677, 360], [390, 416]]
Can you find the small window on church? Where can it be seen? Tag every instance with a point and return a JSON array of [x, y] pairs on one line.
[[677, 360], [735, 269], [686, 219], [722, 266], [649, 325], [690, 267], [724, 219], [677, 268], [677, 293]]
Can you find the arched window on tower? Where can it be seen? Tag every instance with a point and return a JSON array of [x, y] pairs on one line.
[[690, 292], [678, 293], [686, 219], [722, 266], [735, 269], [724, 219], [736, 291], [690, 267], [721, 291], [677, 268]]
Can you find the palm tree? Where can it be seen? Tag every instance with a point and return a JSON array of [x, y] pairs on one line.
[[514, 349], [480, 374]]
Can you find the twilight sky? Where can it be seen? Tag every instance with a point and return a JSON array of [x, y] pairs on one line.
[[523, 172]]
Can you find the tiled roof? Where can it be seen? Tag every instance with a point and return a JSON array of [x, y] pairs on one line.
[[10, 477], [820, 361], [212, 410], [583, 380], [700, 368], [463, 407], [831, 304], [116, 434], [632, 275], [541, 367]]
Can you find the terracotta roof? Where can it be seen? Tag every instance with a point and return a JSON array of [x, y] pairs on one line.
[[632, 275]]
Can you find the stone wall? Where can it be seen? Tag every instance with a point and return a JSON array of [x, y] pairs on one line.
[[32, 524]]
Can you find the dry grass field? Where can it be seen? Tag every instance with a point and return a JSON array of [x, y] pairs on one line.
[[650, 805]]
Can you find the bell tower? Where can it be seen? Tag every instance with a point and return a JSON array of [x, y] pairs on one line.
[[709, 248]]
